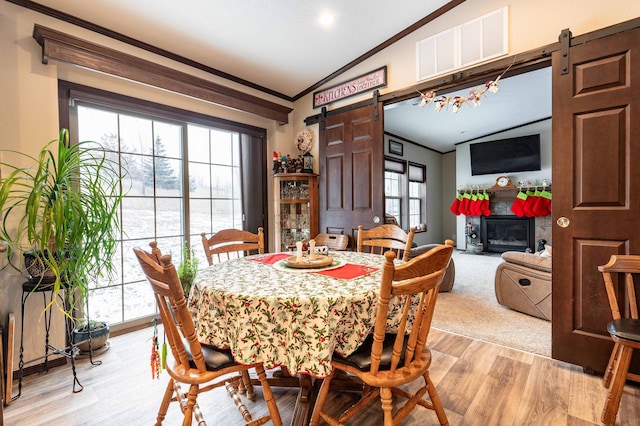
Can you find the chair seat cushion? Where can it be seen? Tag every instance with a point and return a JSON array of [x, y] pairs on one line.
[[625, 328], [214, 358], [361, 358]]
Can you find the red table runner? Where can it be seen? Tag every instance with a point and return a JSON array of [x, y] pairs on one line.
[[349, 271]]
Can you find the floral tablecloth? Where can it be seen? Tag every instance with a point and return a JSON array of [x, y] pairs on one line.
[[295, 320]]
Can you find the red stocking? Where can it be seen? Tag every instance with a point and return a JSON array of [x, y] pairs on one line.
[[544, 203], [473, 205], [484, 207], [539, 208], [518, 205], [529, 205], [464, 204], [455, 206]]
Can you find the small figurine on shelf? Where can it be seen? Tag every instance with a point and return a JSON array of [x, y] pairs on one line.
[[276, 162], [298, 165]]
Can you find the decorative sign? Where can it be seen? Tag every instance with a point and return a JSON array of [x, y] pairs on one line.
[[365, 82]]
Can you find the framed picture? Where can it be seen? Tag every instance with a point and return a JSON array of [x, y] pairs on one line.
[[395, 147]]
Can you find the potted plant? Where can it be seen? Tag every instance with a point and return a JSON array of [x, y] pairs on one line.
[[188, 269], [60, 208], [91, 335]]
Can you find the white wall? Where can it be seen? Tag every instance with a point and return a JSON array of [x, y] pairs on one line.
[[449, 223]]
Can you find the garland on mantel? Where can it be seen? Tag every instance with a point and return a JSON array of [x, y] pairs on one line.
[[456, 102]]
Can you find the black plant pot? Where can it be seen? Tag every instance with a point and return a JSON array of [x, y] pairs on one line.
[[37, 270], [99, 335]]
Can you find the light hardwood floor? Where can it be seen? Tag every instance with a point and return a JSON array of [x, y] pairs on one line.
[[479, 384]]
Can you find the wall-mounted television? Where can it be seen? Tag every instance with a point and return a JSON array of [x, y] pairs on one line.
[[518, 154]]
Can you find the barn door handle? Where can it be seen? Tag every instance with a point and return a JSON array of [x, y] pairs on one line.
[[563, 222]]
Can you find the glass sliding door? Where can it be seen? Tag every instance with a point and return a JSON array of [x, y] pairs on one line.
[[153, 208], [214, 182], [185, 175]]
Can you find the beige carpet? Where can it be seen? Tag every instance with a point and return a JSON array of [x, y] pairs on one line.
[[471, 309]]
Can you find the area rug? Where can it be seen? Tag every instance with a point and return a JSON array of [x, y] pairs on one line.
[[471, 309]]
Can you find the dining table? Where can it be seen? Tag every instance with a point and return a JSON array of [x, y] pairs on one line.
[[271, 309]]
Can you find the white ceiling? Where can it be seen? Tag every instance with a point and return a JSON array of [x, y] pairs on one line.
[[277, 44], [520, 99], [280, 45]]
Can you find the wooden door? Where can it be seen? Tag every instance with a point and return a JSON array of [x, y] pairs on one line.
[[351, 182], [596, 187]]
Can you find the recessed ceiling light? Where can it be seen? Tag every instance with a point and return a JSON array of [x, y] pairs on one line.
[[326, 19]]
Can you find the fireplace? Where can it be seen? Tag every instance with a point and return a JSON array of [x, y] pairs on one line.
[[507, 233]]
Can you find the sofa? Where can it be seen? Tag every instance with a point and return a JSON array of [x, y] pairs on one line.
[[523, 282], [449, 275]]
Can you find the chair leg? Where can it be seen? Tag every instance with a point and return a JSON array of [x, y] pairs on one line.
[[386, 398], [268, 396], [192, 395], [245, 386], [435, 401], [321, 399], [610, 410], [608, 372], [166, 400]]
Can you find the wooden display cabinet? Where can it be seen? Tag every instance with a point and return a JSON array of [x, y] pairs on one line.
[[295, 208]]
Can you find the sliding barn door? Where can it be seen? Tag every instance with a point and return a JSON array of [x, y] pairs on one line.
[[351, 182], [596, 187]]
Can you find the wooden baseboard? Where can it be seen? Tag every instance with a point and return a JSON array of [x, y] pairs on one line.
[[37, 368]]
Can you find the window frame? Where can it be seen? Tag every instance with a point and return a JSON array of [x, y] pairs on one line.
[[404, 169], [252, 154]]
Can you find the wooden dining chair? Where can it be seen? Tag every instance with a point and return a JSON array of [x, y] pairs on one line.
[[385, 237], [388, 360], [336, 242], [199, 367], [624, 330], [230, 243]]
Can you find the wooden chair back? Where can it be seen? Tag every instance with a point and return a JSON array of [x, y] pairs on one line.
[[416, 281], [337, 242], [624, 329], [388, 361], [627, 265], [232, 243], [383, 238], [202, 369], [172, 304]]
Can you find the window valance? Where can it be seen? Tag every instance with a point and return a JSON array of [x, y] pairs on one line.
[[69, 49]]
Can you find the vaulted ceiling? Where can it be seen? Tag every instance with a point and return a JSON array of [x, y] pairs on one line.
[[281, 47]]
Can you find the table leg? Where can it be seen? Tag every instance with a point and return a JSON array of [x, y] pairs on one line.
[[305, 401]]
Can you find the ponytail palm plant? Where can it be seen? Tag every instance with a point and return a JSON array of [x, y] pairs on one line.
[[62, 209]]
